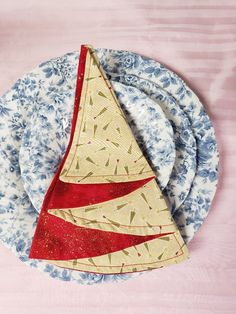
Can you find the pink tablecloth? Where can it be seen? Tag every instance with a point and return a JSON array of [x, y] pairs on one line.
[[198, 40]]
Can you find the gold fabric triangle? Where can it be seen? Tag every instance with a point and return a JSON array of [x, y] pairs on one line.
[[103, 148]]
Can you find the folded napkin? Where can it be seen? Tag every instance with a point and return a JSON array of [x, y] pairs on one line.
[[104, 211]]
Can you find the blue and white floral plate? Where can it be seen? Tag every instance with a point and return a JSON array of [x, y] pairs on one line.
[[18, 217], [50, 87]]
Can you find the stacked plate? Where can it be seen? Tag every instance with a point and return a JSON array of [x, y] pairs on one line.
[[169, 123]]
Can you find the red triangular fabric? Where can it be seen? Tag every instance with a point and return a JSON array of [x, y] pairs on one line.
[[69, 195]]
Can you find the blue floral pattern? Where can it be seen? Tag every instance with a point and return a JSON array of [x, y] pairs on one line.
[[46, 96]]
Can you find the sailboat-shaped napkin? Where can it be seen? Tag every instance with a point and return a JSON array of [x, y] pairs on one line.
[[104, 211]]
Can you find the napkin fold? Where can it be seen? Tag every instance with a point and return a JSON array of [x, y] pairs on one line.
[[104, 211]]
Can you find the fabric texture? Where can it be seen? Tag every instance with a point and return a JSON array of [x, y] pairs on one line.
[[125, 224]]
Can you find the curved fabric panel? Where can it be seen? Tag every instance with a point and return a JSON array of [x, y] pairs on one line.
[[57, 239], [103, 148], [67, 195]]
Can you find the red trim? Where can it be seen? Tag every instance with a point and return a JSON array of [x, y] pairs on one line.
[[57, 239]]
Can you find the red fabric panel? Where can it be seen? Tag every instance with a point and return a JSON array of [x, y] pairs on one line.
[[57, 239], [68, 195]]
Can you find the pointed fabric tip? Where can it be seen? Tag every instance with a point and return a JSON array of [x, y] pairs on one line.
[[107, 128]]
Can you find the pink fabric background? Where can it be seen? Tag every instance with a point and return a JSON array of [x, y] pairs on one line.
[[194, 38]]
